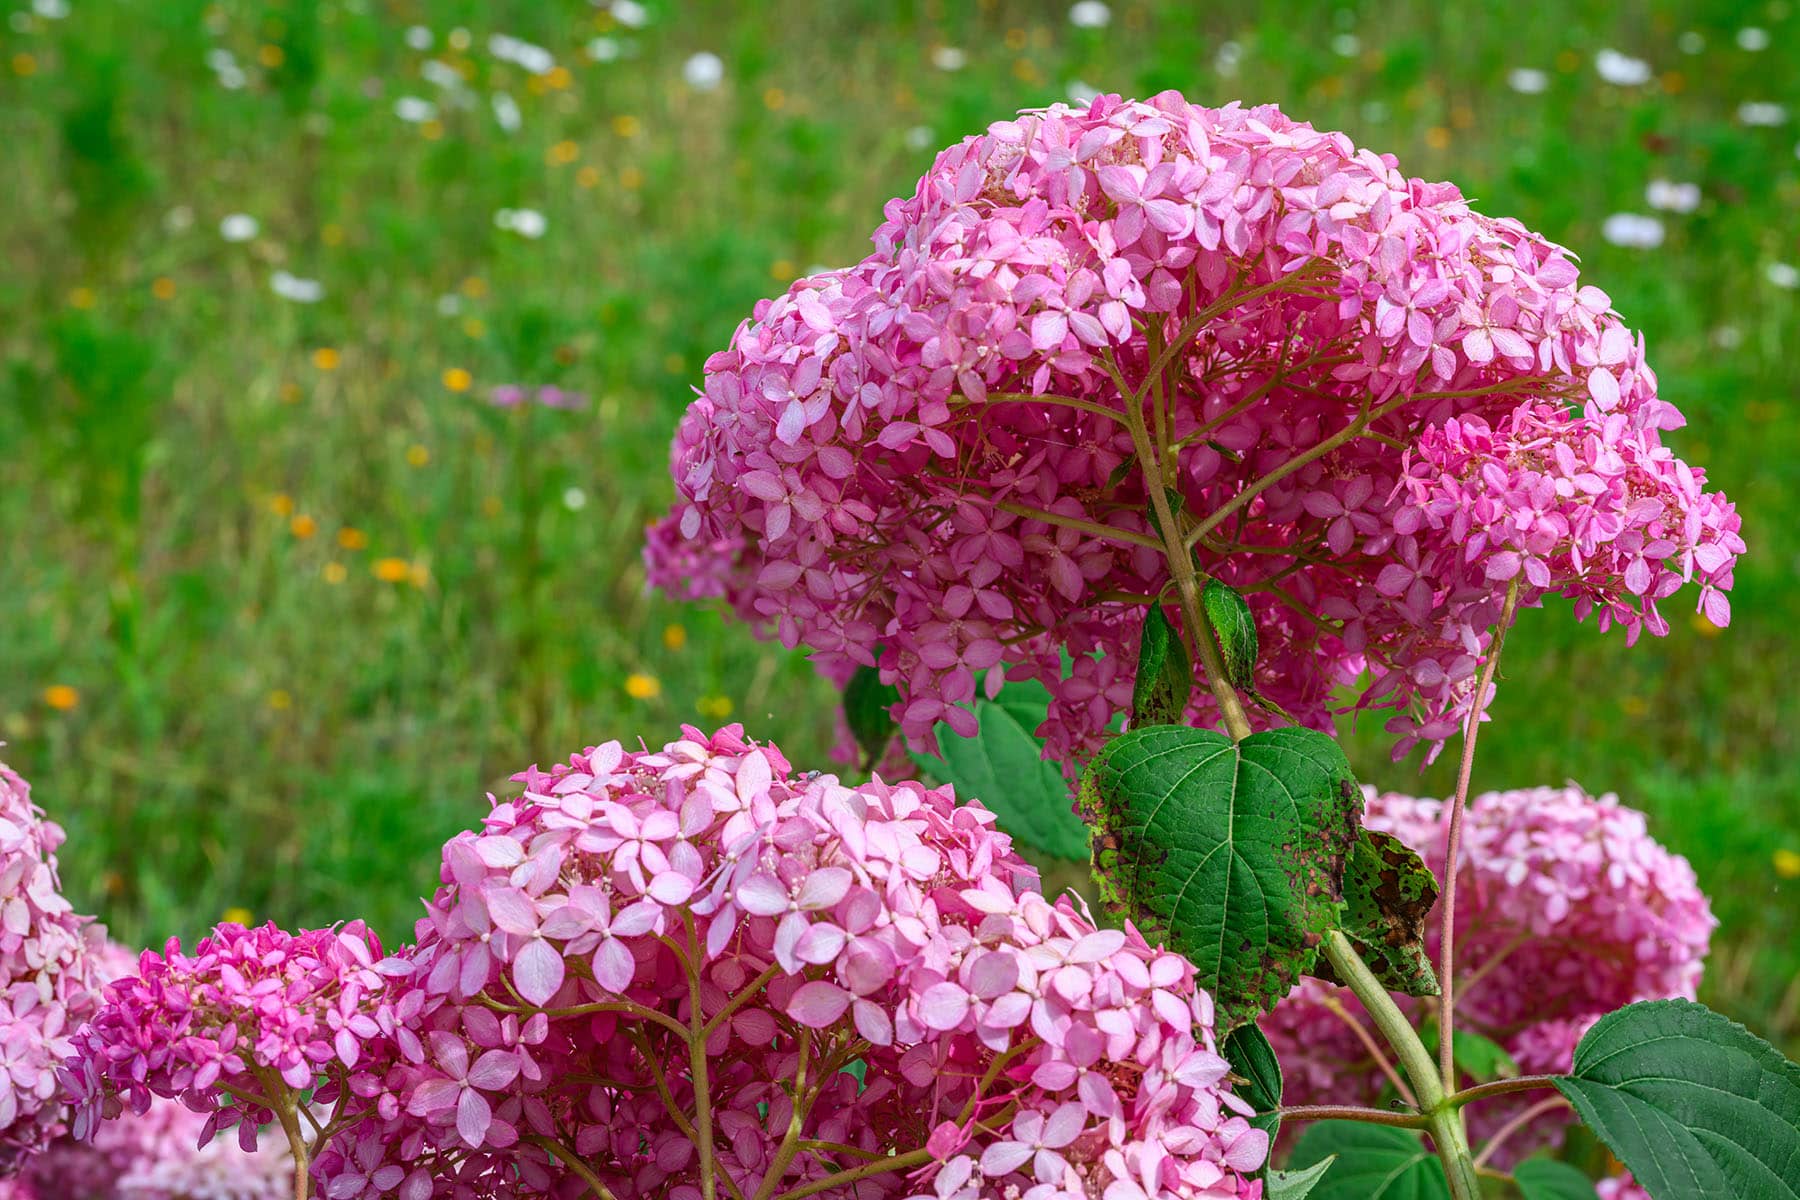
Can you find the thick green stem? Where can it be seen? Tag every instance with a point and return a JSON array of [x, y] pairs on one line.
[[1443, 1118]]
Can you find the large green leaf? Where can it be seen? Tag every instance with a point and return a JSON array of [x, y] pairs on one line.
[[1374, 1162], [1003, 767], [1387, 895], [1297, 1185], [1231, 852], [1165, 677], [1548, 1179], [1693, 1103], [1253, 1060]]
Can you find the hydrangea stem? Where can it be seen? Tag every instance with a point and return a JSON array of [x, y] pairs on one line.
[[1187, 582], [1443, 1118], [1453, 846]]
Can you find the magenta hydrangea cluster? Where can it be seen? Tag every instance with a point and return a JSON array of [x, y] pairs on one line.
[[651, 952], [251, 1019], [48, 958], [1567, 909], [155, 1155], [1377, 408]]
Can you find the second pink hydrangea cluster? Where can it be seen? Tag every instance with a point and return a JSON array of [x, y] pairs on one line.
[[48, 984], [919, 462], [1567, 909]]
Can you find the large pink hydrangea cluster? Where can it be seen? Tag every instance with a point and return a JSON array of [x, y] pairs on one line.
[[226, 1028], [1377, 405], [48, 958], [154, 1156], [1567, 909], [829, 974]]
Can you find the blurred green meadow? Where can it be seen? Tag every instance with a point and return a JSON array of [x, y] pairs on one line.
[[283, 592]]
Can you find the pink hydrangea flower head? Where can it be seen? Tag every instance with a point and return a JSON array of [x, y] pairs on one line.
[[1378, 408], [48, 958], [155, 1155], [1621, 1187], [248, 1012], [1567, 909], [629, 905]]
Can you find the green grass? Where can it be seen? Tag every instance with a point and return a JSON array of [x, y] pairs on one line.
[[264, 722]]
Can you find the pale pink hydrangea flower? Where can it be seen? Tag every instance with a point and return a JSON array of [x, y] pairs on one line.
[[812, 923], [1621, 1187], [1566, 910], [155, 1156], [48, 988], [877, 466]]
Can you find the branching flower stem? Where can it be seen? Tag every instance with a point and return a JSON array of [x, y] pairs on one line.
[[1453, 845]]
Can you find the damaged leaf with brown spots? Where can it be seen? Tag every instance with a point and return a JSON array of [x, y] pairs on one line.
[[1231, 852], [1388, 894]]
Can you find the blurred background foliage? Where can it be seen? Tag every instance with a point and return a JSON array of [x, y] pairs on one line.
[[282, 591]]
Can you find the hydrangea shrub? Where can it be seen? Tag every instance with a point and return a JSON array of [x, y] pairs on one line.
[[1162, 435]]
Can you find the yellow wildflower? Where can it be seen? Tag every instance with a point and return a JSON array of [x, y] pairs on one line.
[[674, 636], [392, 570], [417, 455], [303, 526], [61, 697], [642, 687], [457, 379]]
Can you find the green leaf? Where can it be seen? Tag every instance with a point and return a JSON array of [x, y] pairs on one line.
[[1387, 895], [867, 702], [1548, 1179], [1693, 1103], [1165, 677], [1231, 852], [1003, 767], [1229, 614], [1297, 1185], [1482, 1058], [1374, 1162], [1253, 1059]]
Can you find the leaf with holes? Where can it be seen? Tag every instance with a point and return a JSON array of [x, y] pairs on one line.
[[1374, 1162], [1231, 852], [1003, 767], [1387, 895], [1693, 1103]]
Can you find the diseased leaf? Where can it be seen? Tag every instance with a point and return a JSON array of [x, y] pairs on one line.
[[1693, 1103], [1165, 677], [1388, 893], [1231, 852], [1374, 1162], [1297, 1185], [1548, 1179], [1253, 1059], [867, 701], [1003, 767]]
